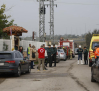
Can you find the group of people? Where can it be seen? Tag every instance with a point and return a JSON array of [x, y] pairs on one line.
[[80, 51], [51, 52]]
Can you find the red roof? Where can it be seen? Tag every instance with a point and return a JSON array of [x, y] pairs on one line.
[[15, 29]]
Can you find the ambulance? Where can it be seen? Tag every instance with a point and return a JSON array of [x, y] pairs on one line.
[[94, 42]]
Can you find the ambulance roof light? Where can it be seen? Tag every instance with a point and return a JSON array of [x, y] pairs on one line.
[[95, 34]]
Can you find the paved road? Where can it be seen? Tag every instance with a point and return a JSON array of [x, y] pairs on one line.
[[67, 76]]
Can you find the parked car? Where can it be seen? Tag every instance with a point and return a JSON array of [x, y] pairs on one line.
[[13, 62], [62, 54], [95, 71], [57, 55], [76, 53]]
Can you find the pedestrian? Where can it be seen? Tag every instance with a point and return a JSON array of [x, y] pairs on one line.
[[54, 55], [21, 49], [71, 53], [85, 56], [94, 50], [32, 56], [80, 50], [41, 57], [64, 49], [45, 59], [96, 53], [28, 51], [50, 54], [68, 52]]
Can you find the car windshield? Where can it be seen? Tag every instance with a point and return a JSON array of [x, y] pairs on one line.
[[94, 44], [60, 50], [5, 55]]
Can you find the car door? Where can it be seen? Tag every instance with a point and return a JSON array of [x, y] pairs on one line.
[[94, 70], [26, 63], [97, 70], [21, 61]]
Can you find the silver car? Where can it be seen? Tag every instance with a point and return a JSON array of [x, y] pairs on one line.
[[62, 54]]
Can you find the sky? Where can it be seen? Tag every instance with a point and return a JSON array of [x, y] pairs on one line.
[[70, 16]]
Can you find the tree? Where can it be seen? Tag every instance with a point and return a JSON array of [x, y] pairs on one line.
[[4, 22]]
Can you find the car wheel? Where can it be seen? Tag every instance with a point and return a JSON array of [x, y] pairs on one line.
[[29, 69], [92, 78], [18, 74]]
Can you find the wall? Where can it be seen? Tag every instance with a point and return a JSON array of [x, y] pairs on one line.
[[7, 42], [25, 44]]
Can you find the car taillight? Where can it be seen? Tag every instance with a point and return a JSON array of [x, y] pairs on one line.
[[12, 61], [57, 53], [62, 53]]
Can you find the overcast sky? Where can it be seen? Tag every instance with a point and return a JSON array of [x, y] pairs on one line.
[[71, 16]]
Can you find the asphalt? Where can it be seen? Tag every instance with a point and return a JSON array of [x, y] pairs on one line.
[[67, 76]]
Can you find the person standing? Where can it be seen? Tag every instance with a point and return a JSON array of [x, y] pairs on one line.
[[45, 59], [28, 51], [54, 55], [80, 50], [32, 55], [21, 49], [86, 56], [71, 53], [41, 56], [68, 52], [49, 53], [64, 49]]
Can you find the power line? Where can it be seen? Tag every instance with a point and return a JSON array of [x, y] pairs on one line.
[[77, 3]]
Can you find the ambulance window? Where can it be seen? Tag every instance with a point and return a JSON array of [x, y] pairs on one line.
[[94, 44]]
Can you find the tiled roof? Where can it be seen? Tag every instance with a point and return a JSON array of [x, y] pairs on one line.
[[15, 29]]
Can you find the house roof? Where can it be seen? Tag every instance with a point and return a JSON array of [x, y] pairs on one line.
[[15, 29]]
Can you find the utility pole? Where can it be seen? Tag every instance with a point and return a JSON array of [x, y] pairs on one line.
[[52, 19], [41, 20]]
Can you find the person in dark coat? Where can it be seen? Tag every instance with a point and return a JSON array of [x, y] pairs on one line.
[[86, 56], [21, 49], [50, 54], [80, 51], [54, 55]]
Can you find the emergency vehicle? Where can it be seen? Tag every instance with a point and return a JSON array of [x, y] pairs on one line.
[[94, 42], [67, 44]]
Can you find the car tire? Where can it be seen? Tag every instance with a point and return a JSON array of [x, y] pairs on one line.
[[92, 78], [18, 74], [29, 69]]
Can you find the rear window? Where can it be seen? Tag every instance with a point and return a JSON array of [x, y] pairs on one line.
[[5, 55], [94, 44], [60, 50]]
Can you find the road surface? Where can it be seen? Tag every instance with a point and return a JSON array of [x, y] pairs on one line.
[[67, 76]]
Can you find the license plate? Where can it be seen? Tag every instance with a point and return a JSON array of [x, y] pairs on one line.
[[1, 64]]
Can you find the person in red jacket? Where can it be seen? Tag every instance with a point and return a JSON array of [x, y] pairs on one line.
[[41, 57]]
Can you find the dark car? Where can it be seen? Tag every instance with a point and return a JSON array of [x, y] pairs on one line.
[[95, 71], [13, 62], [57, 55]]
